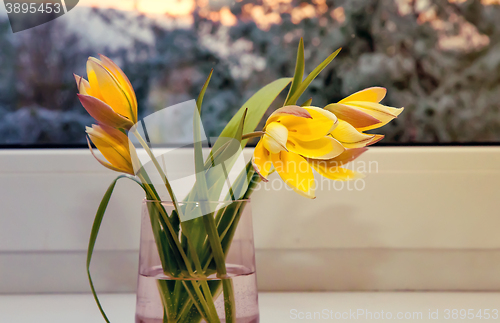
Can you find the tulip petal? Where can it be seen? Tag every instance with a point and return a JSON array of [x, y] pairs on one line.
[[261, 161], [354, 116], [383, 113], [307, 129], [119, 137], [350, 137], [110, 89], [113, 137], [372, 94], [347, 156], [84, 87], [323, 148], [113, 155], [77, 78], [334, 172], [112, 146], [315, 111], [377, 108], [104, 163], [275, 137], [103, 112], [289, 110], [332, 168], [94, 86], [122, 79], [82, 84], [376, 139], [296, 172]]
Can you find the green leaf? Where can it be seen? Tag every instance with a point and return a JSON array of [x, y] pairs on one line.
[[299, 71], [233, 223], [199, 101], [170, 259], [225, 157], [243, 181], [257, 105], [201, 182], [293, 99], [215, 181], [229, 149], [228, 217], [200, 188], [239, 131], [95, 231], [307, 103]]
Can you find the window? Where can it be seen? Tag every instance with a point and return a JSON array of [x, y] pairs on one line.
[[437, 59], [431, 209]]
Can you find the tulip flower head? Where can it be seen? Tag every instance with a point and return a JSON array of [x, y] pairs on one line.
[[114, 146], [108, 95], [292, 136], [297, 140], [359, 112]]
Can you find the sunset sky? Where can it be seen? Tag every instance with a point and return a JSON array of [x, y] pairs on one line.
[[173, 7], [219, 11], [185, 7]]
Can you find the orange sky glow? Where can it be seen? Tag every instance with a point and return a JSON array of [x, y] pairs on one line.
[[270, 13], [264, 18]]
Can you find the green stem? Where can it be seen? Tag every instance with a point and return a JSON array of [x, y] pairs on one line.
[[213, 237], [185, 309], [173, 234], [253, 135], [220, 262], [211, 311], [229, 302], [198, 302], [222, 228], [176, 295], [210, 301], [205, 306], [187, 315], [208, 304], [167, 301]]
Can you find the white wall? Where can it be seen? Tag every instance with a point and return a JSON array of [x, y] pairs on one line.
[[427, 219]]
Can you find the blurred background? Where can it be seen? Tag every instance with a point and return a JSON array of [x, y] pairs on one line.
[[439, 59]]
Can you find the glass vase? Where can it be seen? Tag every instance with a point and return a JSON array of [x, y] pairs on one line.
[[180, 279]]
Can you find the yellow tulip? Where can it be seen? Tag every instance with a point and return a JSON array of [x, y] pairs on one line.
[[108, 95], [293, 138], [332, 168], [113, 145], [297, 140], [359, 112]]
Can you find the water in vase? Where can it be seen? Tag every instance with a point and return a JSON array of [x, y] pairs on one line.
[[150, 308]]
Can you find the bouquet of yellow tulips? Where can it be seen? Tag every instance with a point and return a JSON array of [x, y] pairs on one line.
[[193, 242]]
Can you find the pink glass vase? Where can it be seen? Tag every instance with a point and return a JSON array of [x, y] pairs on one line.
[[179, 279]]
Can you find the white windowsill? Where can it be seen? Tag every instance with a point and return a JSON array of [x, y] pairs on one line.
[[274, 307]]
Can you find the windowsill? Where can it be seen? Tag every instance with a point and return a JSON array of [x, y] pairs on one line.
[[274, 307]]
